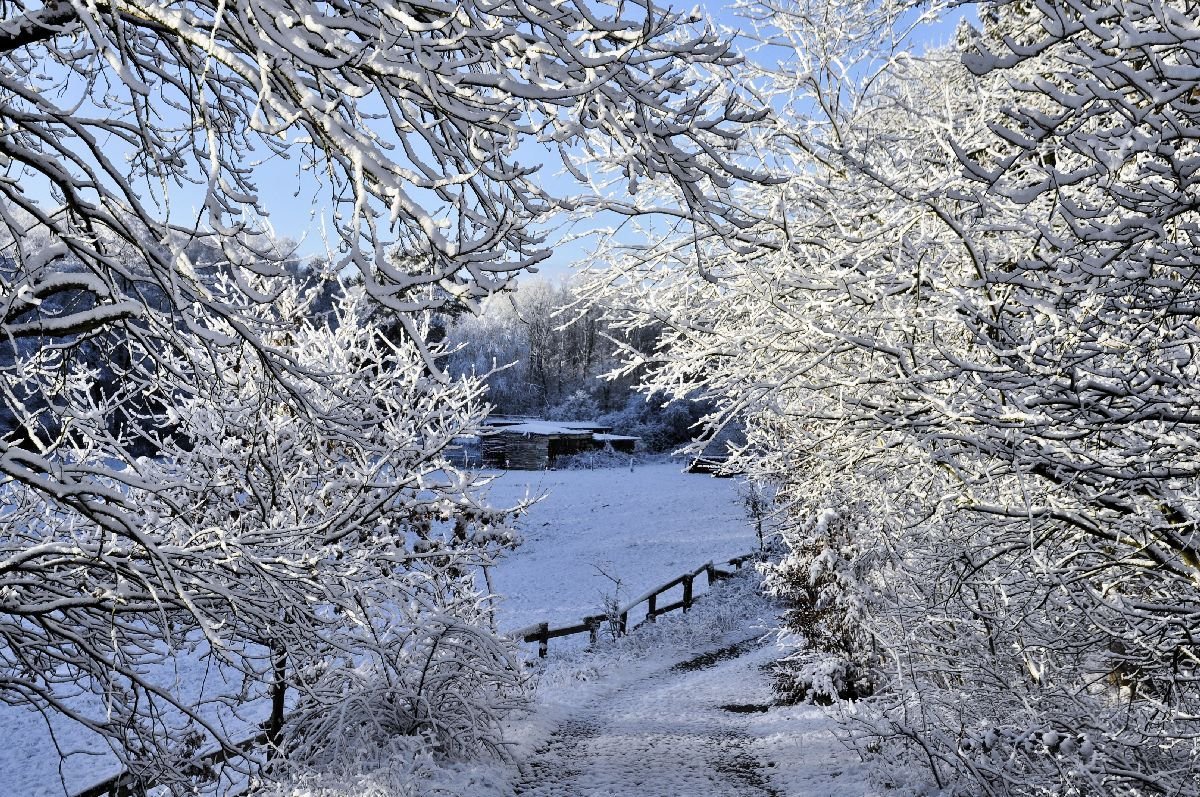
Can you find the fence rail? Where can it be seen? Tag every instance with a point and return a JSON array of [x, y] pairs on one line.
[[542, 633]]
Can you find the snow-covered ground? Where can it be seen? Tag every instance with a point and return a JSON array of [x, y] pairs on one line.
[[641, 527], [680, 708], [653, 714]]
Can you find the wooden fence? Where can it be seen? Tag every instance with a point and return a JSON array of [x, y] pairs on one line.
[[542, 633]]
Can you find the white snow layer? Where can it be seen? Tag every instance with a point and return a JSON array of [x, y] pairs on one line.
[[619, 721], [643, 527]]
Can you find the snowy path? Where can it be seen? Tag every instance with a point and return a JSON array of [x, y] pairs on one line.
[[681, 708], [663, 734]]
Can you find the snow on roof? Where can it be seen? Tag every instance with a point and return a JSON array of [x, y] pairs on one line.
[[507, 420], [539, 428], [535, 426]]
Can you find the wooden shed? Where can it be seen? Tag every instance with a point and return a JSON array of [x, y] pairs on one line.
[[533, 445]]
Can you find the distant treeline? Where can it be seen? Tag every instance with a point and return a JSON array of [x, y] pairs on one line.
[[543, 355], [546, 354]]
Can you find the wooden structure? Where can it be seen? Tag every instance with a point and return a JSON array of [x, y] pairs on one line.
[[542, 633], [535, 445]]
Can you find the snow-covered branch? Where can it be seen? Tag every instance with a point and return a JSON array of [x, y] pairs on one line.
[[963, 350]]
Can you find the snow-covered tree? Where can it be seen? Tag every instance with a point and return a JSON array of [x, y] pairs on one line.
[[547, 347], [299, 539], [962, 346], [122, 118]]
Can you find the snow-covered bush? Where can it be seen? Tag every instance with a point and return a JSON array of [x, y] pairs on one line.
[[447, 682], [402, 766], [295, 532], [823, 579], [600, 458], [1010, 674]]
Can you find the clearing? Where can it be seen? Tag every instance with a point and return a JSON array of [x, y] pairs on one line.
[[625, 720], [642, 526]]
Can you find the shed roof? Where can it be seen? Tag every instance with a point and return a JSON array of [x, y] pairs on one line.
[[507, 420], [542, 428]]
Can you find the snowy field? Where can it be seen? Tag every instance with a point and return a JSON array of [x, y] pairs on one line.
[[643, 527]]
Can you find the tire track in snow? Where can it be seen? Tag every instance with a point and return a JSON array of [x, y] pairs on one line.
[[662, 735]]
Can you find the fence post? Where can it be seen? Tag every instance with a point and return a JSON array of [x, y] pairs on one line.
[[593, 624], [543, 639], [710, 571], [687, 592], [653, 601], [623, 628]]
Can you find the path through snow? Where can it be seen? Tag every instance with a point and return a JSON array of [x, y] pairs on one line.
[[663, 734], [682, 719]]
